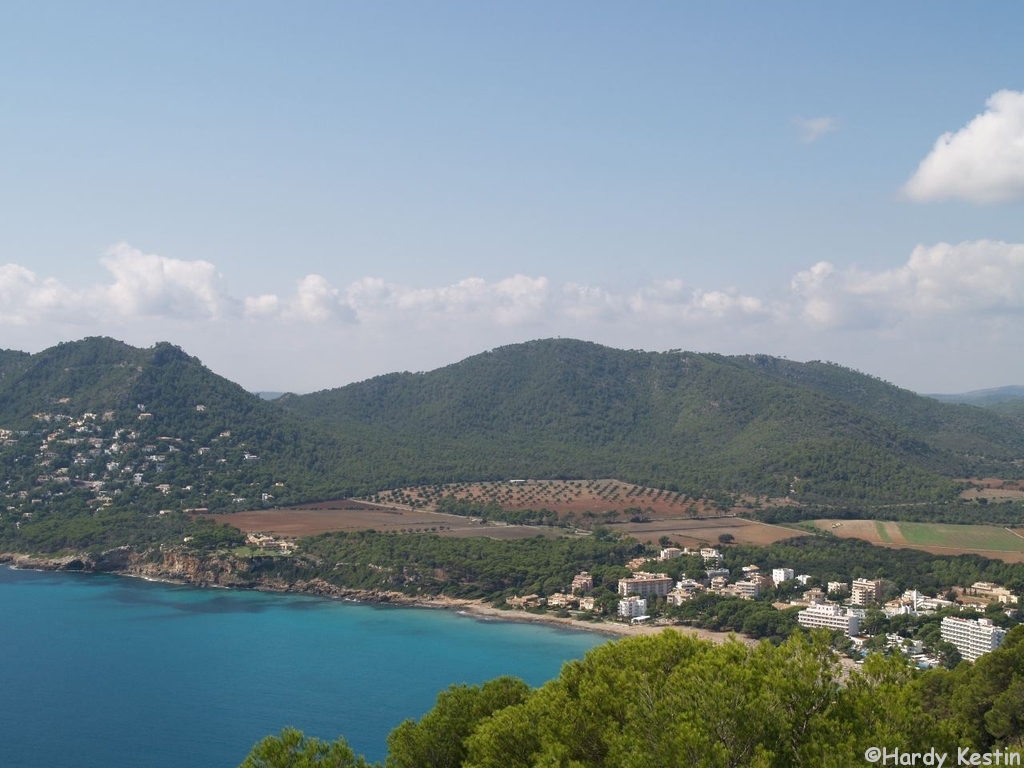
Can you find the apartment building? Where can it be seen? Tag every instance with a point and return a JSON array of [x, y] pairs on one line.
[[830, 617], [646, 584], [631, 607], [866, 591], [972, 638], [583, 582], [780, 575]]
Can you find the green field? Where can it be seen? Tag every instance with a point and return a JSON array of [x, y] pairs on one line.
[[941, 538], [882, 533], [966, 537]]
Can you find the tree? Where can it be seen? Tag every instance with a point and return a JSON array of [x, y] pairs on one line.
[[437, 740], [726, 538], [293, 749]]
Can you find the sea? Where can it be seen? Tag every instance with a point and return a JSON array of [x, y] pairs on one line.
[[102, 671]]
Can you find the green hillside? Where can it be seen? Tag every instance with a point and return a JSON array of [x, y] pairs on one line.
[[97, 438], [693, 422]]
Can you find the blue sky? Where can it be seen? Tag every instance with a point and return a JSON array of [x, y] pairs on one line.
[[309, 194]]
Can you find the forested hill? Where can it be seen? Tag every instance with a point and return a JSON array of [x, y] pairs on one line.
[[83, 413], [99, 414], [697, 422]]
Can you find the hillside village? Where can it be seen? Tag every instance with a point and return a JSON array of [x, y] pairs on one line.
[[109, 458]]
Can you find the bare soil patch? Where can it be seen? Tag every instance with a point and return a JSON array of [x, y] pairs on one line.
[[690, 533], [352, 515], [992, 489], [645, 513]]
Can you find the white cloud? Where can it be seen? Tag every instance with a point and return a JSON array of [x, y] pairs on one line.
[[316, 301], [976, 279], [813, 128], [149, 285], [25, 299], [816, 288], [266, 305], [983, 162], [586, 303], [983, 276], [516, 300]]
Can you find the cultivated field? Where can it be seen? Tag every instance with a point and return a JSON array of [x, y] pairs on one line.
[[607, 500], [993, 489], [690, 533], [352, 515], [580, 504], [940, 538]]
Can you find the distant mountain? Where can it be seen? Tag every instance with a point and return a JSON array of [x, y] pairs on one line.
[[269, 395], [695, 422], [985, 398]]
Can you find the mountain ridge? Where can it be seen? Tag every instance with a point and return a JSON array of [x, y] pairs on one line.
[[706, 424]]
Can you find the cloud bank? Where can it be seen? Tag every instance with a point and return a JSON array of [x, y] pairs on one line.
[[971, 290], [983, 162], [982, 277]]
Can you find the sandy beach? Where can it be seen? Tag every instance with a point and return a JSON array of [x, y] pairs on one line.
[[485, 612]]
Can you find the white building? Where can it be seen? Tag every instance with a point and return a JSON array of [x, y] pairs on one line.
[[829, 617], [972, 638], [670, 553], [645, 584], [631, 607], [866, 591], [780, 575], [711, 555], [838, 588], [748, 588]]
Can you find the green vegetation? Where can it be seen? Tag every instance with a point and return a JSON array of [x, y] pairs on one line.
[[467, 568], [699, 424], [882, 533], [93, 429], [669, 700], [293, 749], [753, 618], [961, 511], [961, 536], [834, 559]]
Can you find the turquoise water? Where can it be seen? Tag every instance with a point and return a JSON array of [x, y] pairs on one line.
[[101, 671]]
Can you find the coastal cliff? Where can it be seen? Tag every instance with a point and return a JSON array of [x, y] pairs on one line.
[[216, 570]]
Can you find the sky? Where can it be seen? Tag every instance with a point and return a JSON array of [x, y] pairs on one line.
[[308, 194]]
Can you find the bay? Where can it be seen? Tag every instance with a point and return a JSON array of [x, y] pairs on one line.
[[111, 672]]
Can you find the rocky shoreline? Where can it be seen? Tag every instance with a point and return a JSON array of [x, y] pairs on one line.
[[224, 571]]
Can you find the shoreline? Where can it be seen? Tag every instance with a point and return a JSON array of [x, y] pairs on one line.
[[481, 611], [476, 609]]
